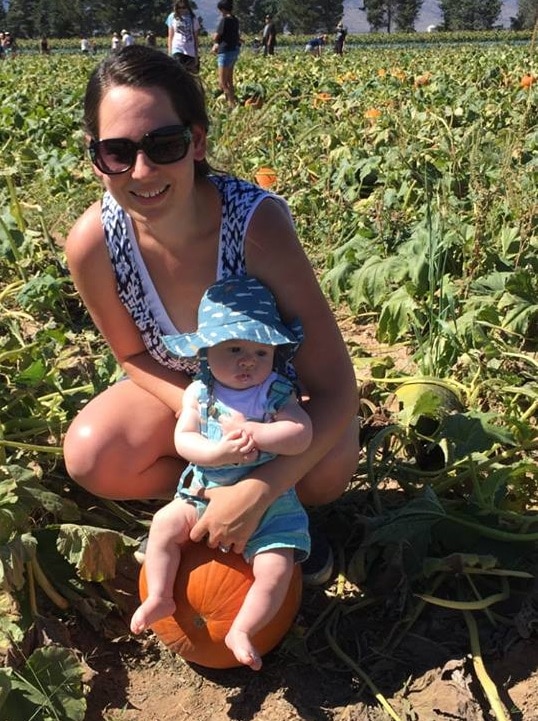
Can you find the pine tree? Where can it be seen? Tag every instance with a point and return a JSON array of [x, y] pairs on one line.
[[19, 18], [2, 17], [527, 15], [406, 15], [389, 15], [470, 14], [310, 16]]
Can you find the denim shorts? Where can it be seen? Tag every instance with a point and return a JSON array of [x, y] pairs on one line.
[[228, 58]]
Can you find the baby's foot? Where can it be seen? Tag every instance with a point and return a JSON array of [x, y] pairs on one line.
[[239, 643], [153, 608]]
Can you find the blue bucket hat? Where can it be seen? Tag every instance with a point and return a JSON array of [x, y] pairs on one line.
[[237, 308]]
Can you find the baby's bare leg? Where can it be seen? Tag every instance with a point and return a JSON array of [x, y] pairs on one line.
[[272, 575], [169, 530]]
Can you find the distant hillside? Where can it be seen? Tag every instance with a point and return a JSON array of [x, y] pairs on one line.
[[355, 18]]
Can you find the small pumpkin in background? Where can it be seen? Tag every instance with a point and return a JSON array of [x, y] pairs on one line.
[[209, 589], [266, 177], [256, 102], [423, 79], [526, 81], [372, 115], [321, 98]]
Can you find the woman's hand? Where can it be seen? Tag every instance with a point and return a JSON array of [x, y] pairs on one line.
[[232, 515]]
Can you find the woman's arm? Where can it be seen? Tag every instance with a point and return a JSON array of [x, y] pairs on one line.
[[171, 31], [217, 35], [88, 260], [275, 256]]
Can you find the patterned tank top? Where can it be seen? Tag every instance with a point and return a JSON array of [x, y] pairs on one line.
[[135, 288]]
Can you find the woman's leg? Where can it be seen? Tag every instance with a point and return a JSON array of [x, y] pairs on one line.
[[226, 83], [121, 445], [272, 575], [330, 477]]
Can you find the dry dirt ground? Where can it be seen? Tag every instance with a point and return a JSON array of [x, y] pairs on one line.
[[317, 673]]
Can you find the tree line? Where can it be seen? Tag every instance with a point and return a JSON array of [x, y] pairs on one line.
[[72, 18]]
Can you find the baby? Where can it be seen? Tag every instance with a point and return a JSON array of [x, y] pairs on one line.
[[241, 412]]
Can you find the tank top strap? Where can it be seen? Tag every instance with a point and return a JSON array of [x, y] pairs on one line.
[[280, 392]]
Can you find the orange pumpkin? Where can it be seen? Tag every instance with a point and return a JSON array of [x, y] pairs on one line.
[[527, 81], [266, 177], [254, 102], [209, 589], [320, 98], [372, 115], [423, 79]]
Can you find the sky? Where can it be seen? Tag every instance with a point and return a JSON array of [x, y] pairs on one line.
[[355, 19]]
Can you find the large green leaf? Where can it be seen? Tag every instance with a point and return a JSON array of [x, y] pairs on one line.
[[48, 688], [92, 550], [397, 315], [405, 534], [11, 631], [473, 432]]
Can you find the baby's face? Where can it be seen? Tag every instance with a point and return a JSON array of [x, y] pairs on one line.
[[241, 364]]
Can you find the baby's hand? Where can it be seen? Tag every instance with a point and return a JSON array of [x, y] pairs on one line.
[[232, 421], [237, 447]]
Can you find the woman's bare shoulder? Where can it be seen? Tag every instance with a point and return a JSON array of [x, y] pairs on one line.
[[86, 235]]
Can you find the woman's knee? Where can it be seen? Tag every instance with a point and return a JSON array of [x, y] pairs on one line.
[[328, 480], [87, 460]]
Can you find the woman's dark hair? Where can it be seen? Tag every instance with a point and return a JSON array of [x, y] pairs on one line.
[[180, 5], [226, 5], [141, 66]]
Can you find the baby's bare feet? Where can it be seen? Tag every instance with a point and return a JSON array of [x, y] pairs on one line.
[[153, 609], [239, 643]]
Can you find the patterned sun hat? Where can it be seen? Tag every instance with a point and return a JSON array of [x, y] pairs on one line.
[[236, 308]]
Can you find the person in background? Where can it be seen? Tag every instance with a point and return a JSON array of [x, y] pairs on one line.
[[151, 40], [126, 38], [115, 42], [8, 44], [44, 48], [240, 413], [226, 45], [167, 227], [316, 45], [85, 46], [183, 30], [340, 38], [269, 36]]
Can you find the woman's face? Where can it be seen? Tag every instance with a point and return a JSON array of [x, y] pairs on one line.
[[147, 189]]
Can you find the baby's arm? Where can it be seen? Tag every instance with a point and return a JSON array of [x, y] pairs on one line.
[[234, 447], [289, 434]]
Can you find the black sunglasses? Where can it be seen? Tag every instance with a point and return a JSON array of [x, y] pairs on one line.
[[162, 146]]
